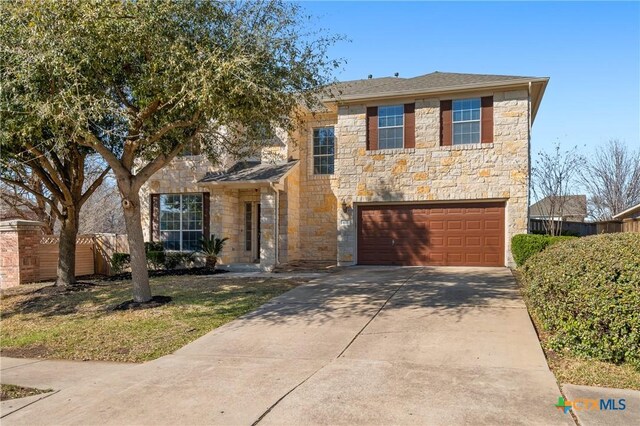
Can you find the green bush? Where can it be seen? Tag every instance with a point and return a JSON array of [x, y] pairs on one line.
[[586, 294], [523, 246], [153, 246], [119, 261], [174, 259], [156, 259]]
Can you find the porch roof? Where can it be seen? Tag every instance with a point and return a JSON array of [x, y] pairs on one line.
[[250, 173]]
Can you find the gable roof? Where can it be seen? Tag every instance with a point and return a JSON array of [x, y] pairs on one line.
[[574, 205], [631, 212], [432, 83]]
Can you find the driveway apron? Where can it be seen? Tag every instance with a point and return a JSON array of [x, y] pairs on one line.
[[374, 345]]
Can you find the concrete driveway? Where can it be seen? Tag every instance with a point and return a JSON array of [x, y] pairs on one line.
[[377, 345]]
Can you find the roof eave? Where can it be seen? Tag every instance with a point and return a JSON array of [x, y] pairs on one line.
[[630, 210], [427, 92]]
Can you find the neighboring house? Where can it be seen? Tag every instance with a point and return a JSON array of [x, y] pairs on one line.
[[628, 220], [570, 208], [431, 170]]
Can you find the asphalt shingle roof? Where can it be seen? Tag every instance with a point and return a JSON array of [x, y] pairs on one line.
[[432, 81], [250, 171]]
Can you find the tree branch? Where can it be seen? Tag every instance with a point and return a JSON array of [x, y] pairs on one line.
[[51, 203], [96, 183]]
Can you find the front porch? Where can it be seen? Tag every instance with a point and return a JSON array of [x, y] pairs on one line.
[[251, 205]]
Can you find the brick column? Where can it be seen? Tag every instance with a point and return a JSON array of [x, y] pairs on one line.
[[19, 242]]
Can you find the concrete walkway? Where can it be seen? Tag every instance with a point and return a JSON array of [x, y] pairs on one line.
[[363, 346]]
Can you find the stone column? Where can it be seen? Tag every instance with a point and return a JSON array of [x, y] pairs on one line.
[[19, 242], [267, 229]]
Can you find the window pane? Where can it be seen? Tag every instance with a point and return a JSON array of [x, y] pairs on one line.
[[323, 150], [171, 240], [466, 121], [191, 240]]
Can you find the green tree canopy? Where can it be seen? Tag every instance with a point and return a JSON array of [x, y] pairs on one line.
[[137, 80]]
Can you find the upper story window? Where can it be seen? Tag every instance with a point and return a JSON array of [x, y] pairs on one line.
[[181, 221], [323, 150], [390, 126], [466, 121]]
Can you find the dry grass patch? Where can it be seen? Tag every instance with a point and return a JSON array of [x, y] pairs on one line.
[[42, 322], [13, 392]]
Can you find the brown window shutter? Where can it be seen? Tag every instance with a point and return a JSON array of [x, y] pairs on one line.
[[445, 123], [487, 119], [409, 125], [372, 128], [206, 224], [155, 217]]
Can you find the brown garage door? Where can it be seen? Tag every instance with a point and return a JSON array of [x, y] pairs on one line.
[[461, 234]]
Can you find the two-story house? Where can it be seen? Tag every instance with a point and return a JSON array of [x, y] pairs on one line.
[[430, 170]]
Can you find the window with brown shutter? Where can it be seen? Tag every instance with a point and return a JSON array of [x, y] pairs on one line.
[[487, 119], [372, 128], [154, 214], [445, 123], [206, 207], [409, 125]]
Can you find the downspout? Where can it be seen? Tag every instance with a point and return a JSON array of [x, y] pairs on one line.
[[529, 183], [276, 223]]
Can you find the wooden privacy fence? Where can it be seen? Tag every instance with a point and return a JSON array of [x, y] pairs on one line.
[[48, 252], [26, 255], [583, 229], [578, 228]]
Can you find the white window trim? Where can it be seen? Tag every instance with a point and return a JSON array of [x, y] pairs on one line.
[[391, 127], [453, 123], [314, 155], [181, 212]]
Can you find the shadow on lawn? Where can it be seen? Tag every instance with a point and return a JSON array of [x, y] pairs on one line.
[[107, 298]]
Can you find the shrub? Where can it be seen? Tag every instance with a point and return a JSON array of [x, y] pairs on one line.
[[119, 261], [174, 259], [155, 259], [586, 294], [153, 246], [523, 246]]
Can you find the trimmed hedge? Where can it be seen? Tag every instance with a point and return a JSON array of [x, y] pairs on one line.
[[586, 294], [523, 246]]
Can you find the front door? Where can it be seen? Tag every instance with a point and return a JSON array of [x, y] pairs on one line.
[[252, 230]]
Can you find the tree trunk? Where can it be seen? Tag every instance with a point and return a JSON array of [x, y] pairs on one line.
[[139, 271], [67, 248]]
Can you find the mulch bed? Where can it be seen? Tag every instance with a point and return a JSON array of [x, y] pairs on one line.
[[155, 302], [163, 273]]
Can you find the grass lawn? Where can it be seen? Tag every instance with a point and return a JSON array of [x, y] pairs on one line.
[[42, 322], [13, 392], [571, 369]]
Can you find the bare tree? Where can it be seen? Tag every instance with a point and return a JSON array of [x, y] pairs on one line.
[[17, 202], [612, 179], [553, 178], [102, 213]]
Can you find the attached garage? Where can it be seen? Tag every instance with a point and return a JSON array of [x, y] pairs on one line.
[[452, 234]]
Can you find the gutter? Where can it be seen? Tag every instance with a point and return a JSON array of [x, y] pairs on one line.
[[449, 89]]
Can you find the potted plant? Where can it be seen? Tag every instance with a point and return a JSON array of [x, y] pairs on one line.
[[211, 248]]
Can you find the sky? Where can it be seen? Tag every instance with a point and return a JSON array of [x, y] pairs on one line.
[[590, 51]]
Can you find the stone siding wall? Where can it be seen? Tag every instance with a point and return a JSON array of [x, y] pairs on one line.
[[430, 172], [317, 201]]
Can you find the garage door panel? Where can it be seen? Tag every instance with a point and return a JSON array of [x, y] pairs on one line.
[[461, 234]]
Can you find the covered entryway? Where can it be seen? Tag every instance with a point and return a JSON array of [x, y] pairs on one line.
[[454, 234]]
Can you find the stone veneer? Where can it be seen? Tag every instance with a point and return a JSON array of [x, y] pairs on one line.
[[312, 224], [430, 172]]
